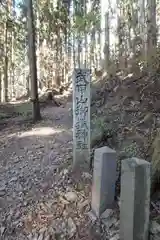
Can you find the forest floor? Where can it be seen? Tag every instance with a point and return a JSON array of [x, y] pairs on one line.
[[40, 197]]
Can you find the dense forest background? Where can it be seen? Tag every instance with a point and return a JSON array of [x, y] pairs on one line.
[[113, 36], [41, 42]]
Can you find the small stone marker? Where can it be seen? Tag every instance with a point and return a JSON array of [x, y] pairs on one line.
[[81, 117], [135, 199], [104, 179]]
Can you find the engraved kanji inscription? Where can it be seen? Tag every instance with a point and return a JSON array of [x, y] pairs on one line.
[[81, 113]]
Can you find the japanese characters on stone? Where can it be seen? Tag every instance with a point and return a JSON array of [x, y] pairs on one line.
[[82, 82]]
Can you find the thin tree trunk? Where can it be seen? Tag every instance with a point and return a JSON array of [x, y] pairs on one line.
[[85, 51], [0, 84], [98, 48], [120, 42], [143, 29], [74, 51], [107, 42], [85, 38], [32, 63], [2, 40], [5, 84], [12, 53], [38, 43], [79, 51], [151, 32], [92, 48]]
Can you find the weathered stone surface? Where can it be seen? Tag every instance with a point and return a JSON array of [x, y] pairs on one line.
[[135, 199], [81, 118], [104, 178]]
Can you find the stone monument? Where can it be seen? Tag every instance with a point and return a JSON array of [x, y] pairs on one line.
[[104, 180], [81, 117], [135, 199]]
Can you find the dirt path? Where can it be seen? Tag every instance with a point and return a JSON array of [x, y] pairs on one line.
[[40, 198], [32, 172]]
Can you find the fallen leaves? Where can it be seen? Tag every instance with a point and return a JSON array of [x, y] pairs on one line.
[[64, 214], [31, 167]]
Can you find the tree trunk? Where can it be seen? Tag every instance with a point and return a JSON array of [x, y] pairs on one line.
[[79, 52], [107, 42], [98, 55], [142, 29], [151, 32], [0, 84], [73, 50], [2, 50], [5, 84], [38, 43], [32, 63], [13, 53], [85, 38], [92, 47], [120, 42]]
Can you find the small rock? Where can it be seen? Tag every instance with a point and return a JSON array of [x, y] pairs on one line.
[[25, 203], [71, 196]]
